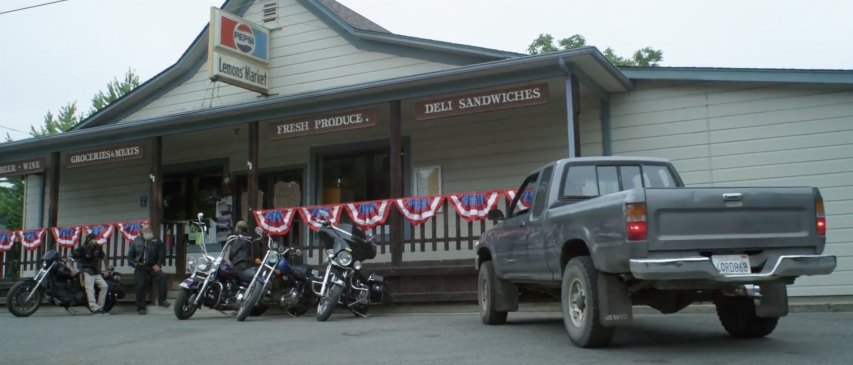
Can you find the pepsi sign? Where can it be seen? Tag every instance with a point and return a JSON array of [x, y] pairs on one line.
[[238, 52]]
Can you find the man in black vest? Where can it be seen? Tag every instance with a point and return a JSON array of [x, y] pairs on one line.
[[147, 255]]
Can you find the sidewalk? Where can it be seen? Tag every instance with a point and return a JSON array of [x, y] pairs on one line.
[[796, 304]]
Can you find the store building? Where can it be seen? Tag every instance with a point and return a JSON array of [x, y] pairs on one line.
[[313, 104]]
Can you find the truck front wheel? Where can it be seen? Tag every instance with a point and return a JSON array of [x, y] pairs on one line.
[[581, 305], [737, 315], [486, 295]]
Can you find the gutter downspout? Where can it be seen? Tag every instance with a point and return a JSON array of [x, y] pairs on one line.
[[571, 122]]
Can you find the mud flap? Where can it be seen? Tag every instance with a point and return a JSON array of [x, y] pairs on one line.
[[773, 301], [506, 295], [616, 308]]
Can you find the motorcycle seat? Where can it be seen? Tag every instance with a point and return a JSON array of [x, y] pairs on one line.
[[300, 271], [247, 275]]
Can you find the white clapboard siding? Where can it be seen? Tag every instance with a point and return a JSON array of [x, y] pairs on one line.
[[752, 134], [305, 55], [104, 193]]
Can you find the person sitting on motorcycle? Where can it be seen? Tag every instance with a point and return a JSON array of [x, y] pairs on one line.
[[240, 253], [90, 257]]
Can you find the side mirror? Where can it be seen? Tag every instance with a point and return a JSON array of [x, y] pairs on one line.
[[259, 231], [200, 217], [496, 215], [323, 215]]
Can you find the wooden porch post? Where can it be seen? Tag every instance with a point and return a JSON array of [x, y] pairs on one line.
[[396, 182], [252, 178], [53, 202], [156, 189]]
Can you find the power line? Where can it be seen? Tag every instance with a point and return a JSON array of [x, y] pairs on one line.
[[30, 7], [13, 129]]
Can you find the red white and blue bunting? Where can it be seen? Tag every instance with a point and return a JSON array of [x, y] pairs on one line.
[[130, 230], [311, 215], [367, 215], [418, 210], [102, 232], [7, 240], [66, 237], [31, 239], [275, 222], [523, 202], [474, 206]]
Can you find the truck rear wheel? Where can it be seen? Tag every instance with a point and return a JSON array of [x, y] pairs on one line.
[[581, 306], [737, 315], [486, 293]]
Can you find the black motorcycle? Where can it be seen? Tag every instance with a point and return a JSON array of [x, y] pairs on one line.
[[61, 285], [213, 283], [278, 281], [344, 284]]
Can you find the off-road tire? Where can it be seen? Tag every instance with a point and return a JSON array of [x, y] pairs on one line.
[[486, 295], [737, 315], [585, 330]]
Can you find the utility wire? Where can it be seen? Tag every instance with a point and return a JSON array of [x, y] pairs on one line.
[[13, 129], [30, 7]]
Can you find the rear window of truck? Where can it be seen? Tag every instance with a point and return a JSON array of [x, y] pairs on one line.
[[586, 181]]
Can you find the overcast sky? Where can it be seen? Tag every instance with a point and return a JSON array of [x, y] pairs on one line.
[[67, 51]]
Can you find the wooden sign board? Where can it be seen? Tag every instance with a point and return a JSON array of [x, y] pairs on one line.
[[22, 167], [325, 123], [108, 154], [482, 101]]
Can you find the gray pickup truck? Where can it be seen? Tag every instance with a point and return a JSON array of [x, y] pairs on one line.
[[606, 233]]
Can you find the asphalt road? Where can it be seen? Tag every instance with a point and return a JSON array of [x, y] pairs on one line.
[[54, 337]]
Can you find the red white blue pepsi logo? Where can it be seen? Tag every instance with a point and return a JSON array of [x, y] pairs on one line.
[[244, 38]]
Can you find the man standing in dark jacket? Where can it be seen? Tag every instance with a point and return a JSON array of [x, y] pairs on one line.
[[90, 257], [147, 255]]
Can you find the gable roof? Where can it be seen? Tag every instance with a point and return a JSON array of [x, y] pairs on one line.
[[358, 30]]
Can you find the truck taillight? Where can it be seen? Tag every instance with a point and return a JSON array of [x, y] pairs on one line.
[[821, 218], [635, 221]]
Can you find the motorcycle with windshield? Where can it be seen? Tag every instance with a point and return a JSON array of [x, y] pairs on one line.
[[61, 284], [344, 284], [213, 282], [278, 281]]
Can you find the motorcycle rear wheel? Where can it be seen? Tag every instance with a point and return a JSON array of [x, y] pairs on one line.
[[253, 295], [328, 303], [17, 301], [184, 306]]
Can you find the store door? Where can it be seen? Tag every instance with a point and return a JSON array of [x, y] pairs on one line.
[[351, 177]]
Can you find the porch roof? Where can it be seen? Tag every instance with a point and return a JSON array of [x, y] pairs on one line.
[[593, 70]]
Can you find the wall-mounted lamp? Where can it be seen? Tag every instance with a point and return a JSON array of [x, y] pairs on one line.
[[151, 176], [249, 164]]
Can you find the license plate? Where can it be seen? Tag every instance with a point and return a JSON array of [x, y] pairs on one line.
[[731, 264]]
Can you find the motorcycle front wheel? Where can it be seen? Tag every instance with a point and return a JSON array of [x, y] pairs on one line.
[[184, 304], [328, 302], [253, 295], [17, 301]]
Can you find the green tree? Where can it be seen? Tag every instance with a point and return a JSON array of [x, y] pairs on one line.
[[11, 189], [643, 57]]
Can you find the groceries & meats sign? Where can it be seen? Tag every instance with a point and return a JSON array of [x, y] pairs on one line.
[[238, 52], [107, 154]]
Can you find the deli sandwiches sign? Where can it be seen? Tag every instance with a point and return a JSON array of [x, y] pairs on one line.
[[123, 152], [332, 122], [23, 167], [482, 101], [238, 52]]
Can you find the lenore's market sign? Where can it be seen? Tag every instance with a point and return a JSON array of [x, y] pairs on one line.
[[114, 153], [23, 167], [331, 122], [482, 101]]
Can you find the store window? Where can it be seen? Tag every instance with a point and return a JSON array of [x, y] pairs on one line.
[[358, 176]]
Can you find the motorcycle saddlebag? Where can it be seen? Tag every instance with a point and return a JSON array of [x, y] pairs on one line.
[[116, 288], [376, 284]]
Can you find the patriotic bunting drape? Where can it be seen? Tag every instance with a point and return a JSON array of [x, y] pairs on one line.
[[7, 240], [31, 239], [66, 237], [367, 215], [418, 210], [311, 216], [524, 201], [102, 232], [275, 222], [474, 206], [130, 230]]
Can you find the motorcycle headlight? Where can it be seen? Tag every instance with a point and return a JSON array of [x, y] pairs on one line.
[[357, 265], [44, 264], [273, 245], [273, 259], [203, 264], [344, 258], [191, 264]]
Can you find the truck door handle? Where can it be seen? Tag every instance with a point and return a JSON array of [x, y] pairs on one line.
[[523, 223], [732, 197]]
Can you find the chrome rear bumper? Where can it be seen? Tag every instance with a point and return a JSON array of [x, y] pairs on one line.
[[688, 268]]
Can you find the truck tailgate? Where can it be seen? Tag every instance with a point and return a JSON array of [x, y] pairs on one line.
[[720, 219]]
